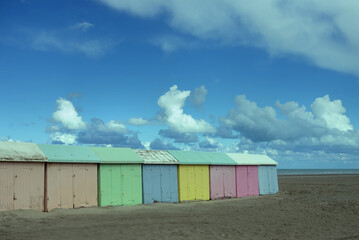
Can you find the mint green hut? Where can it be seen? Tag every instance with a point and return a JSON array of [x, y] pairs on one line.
[[119, 176]]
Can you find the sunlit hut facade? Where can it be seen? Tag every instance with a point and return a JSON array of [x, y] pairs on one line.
[[193, 175], [255, 174], [71, 180], [222, 172], [120, 179], [159, 176], [22, 170]]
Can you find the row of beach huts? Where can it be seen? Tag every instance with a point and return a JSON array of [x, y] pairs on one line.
[[44, 177]]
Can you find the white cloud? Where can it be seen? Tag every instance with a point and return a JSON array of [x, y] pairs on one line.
[[138, 121], [332, 112], [263, 124], [64, 138], [83, 26], [298, 133], [173, 102], [67, 115], [318, 30], [114, 127]]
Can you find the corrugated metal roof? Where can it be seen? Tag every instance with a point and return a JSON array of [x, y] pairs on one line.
[[251, 159], [206, 158], [116, 155], [73, 154], [15, 151], [156, 157]]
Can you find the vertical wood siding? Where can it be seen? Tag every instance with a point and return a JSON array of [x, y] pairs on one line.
[[159, 183], [71, 185], [22, 185], [268, 180], [193, 182], [120, 184], [222, 182], [247, 181]]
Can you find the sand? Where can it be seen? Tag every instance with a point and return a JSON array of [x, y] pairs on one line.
[[306, 207]]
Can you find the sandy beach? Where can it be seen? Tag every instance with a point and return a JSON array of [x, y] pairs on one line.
[[306, 207]]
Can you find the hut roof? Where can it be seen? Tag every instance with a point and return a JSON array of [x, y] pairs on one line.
[[116, 155], [63, 153], [251, 159], [204, 158], [156, 157], [16, 151]]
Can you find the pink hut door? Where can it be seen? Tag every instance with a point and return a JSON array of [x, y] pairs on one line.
[[253, 188], [242, 181], [229, 180], [216, 178]]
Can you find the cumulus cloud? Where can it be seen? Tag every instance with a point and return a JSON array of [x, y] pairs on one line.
[[297, 133], [332, 113], [209, 143], [263, 124], [112, 132], [157, 144], [178, 136], [172, 102], [138, 121], [198, 96], [67, 115], [317, 30], [83, 26], [63, 138]]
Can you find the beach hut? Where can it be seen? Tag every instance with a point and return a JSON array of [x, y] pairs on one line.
[[22, 170], [159, 176], [71, 180], [120, 179], [252, 178], [222, 176], [193, 174]]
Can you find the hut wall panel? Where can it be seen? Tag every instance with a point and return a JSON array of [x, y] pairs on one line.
[[160, 183], [263, 180], [202, 180], [253, 188], [120, 184], [59, 186], [71, 185], [216, 182], [173, 184], [85, 185], [242, 181], [165, 184], [151, 184], [247, 181], [272, 179], [22, 185], [109, 182], [229, 181], [193, 182], [132, 184]]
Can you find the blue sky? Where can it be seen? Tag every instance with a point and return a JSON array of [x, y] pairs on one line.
[[276, 77]]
